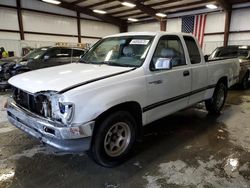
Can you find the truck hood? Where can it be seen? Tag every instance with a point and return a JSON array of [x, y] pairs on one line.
[[63, 77]]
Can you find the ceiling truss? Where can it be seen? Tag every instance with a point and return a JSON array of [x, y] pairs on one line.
[[145, 9]]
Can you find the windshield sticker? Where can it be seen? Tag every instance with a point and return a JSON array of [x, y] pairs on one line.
[[139, 42]]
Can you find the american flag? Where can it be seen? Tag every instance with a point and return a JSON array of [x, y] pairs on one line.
[[195, 25]]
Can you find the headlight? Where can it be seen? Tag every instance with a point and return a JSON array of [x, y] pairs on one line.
[[66, 111]]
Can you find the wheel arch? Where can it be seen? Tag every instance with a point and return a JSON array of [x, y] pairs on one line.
[[133, 107], [223, 80]]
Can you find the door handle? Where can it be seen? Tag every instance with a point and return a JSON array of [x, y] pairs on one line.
[[156, 82], [186, 73]]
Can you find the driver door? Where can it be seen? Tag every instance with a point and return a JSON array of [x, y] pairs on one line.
[[168, 90]]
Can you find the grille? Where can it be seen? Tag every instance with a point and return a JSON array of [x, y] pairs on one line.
[[30, 102]]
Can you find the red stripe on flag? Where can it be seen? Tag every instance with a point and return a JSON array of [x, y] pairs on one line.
[[199, 28], [196, 24], [200, 25], [203, 30]]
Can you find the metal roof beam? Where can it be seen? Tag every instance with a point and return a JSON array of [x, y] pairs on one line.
[[225, 5], [99, 3], [145, 8], [84, 10]]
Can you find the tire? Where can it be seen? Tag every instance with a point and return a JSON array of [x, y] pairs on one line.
[[106, 149], [216, 103], [244, 83]]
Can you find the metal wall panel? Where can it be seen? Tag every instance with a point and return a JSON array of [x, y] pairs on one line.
[[8, 19], [211, 42], [239, 39], [97, 29], [240, 20], [35, 37], [90, 41], [174, 25], [8, 2], [154, 26], [38, 22], [215, 23], [8, 35]]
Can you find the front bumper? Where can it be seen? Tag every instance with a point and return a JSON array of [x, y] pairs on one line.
[[66, 139]]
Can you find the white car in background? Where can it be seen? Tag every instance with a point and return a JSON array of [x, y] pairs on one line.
[[123, 83]]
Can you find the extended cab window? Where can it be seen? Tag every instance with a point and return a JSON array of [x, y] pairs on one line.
[[193, 50], [169, 48]]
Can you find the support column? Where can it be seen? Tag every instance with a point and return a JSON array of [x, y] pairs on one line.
[[227, 26], [79, 27], [20, 19], [163, 25]]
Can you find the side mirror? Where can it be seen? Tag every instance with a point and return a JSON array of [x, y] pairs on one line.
[[46, 57], [163, 64], [206, 57]]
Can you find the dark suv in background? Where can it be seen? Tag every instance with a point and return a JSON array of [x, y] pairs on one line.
[[37, 59], [239, 51]]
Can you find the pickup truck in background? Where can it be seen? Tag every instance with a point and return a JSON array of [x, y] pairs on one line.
[[37, 59], [122, 83], [238, 51]]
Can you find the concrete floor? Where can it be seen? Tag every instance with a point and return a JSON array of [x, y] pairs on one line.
[[187, 149]]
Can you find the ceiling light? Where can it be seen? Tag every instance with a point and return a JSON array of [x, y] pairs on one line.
[[100, 11], [133, 20], [128, 4], [211, 6], [52, 2], [162, 15]]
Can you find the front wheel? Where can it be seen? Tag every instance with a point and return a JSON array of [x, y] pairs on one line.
[[216, 103], [114, 139]]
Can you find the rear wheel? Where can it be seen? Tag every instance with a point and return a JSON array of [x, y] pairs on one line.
[[114, 139], [216, 103], [244, 83]]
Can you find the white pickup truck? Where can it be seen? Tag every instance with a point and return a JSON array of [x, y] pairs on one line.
[[124, 82]]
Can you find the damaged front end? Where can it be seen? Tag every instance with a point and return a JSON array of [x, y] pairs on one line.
[[46, 104], [46, 116]]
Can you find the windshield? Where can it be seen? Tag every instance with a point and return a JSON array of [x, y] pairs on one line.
[[229, 52], [129, 51], [35, 54]]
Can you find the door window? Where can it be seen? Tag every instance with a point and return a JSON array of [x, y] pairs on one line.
[[193, 50], [52, 53], [64, 52], [170, 48]]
